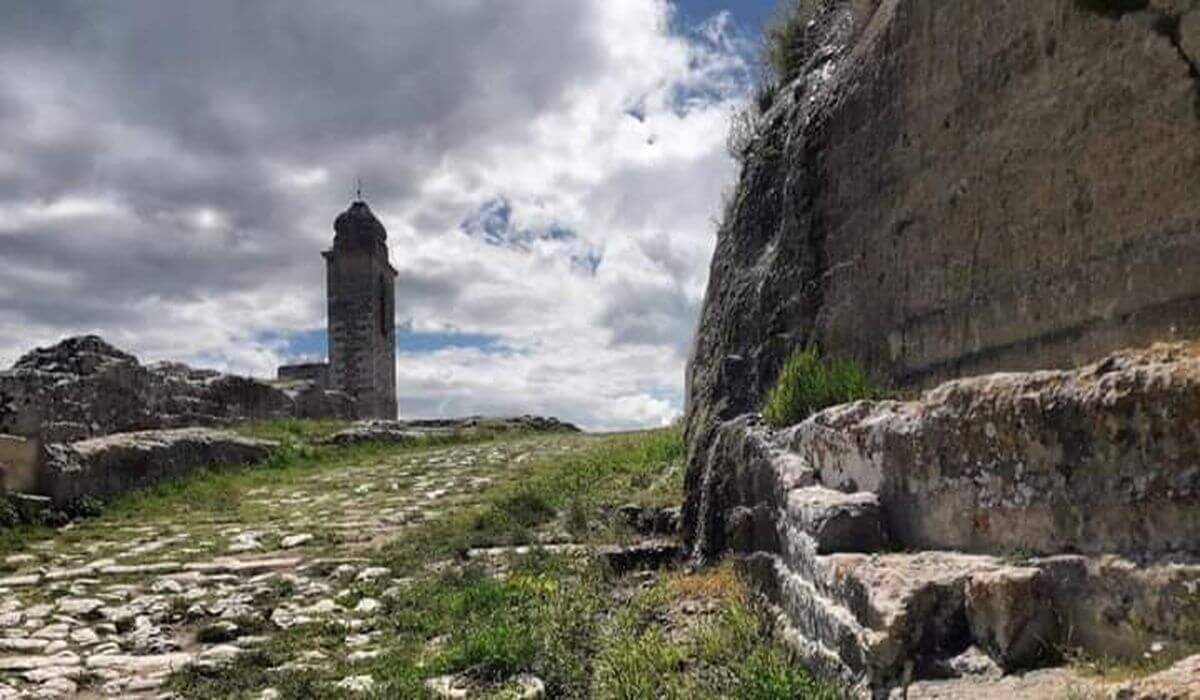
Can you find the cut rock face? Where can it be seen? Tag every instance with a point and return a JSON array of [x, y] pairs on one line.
[[1105, 459], [1088, 479], [836, 521]]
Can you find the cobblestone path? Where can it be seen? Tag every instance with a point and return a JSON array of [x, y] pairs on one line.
[[109, 608]]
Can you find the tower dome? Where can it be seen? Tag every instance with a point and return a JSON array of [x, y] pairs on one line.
[[357, 226]]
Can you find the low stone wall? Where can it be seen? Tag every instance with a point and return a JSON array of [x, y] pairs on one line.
[[19, 460], [107, 467]]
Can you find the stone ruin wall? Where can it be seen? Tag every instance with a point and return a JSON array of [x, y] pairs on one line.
[[955, 188], [315, 372], [83, 387]]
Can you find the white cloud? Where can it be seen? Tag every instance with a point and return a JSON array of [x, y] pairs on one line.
[[178, 202]]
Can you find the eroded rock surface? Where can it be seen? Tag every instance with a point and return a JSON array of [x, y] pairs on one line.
[[83, 387], [1104, 459], [109, 466], [1057, 512], [949, 189]]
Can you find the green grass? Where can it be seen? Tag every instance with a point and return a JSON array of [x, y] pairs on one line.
[[808, 383], [733, 654], [292, 429], [219, 492], [644, 468], [561, 617]]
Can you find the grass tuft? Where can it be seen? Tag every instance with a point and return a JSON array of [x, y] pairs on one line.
[[809, 383], [786, 38]]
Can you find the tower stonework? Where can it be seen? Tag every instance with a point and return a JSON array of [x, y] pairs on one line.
[[360, 287]]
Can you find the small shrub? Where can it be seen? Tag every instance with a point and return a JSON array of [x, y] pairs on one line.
[[84, 507], [808, 383], [786, 37], [9, 517]]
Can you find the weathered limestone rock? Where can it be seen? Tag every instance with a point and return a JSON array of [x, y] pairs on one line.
[[389, 432], [954, 188], [836, 521], [19, 458], [1012, 616], [950, 188], [1101, 459], [109, 466], [313, 401], [1098, 468], [83, 387]]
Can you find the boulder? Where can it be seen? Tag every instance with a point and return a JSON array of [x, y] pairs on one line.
[[106, 467], [836, 521], [1103, 459]]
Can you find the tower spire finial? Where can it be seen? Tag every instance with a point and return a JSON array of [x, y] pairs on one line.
[[358, 191]]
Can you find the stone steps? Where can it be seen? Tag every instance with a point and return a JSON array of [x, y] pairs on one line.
[[886, 616], [829, 627]]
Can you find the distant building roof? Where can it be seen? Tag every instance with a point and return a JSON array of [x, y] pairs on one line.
[[357, 226]]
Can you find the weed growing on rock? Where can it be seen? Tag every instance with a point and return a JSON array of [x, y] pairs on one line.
[[786, 38], [809, 383]]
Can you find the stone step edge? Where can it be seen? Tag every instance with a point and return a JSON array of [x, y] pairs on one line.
[[830, 625]]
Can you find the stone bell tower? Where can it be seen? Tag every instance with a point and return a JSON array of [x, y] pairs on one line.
[[360, 285]]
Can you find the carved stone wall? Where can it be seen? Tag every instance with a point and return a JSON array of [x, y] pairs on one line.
[[953, 188]]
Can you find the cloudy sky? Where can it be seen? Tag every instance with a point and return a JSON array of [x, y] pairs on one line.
[[549, 172]]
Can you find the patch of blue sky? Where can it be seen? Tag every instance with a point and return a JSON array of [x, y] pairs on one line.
[[311, 345], [492, 223], [302, 345], [426, 342], [749, 15]]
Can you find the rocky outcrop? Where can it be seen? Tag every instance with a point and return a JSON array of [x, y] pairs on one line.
[[19, 459], [83, 387], [952, 188], [948, 189], [106, 467], [1016, 515], [402, 432], [1105, 459]]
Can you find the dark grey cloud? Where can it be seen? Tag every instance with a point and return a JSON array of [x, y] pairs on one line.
[[171, 106], [169, 172]]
